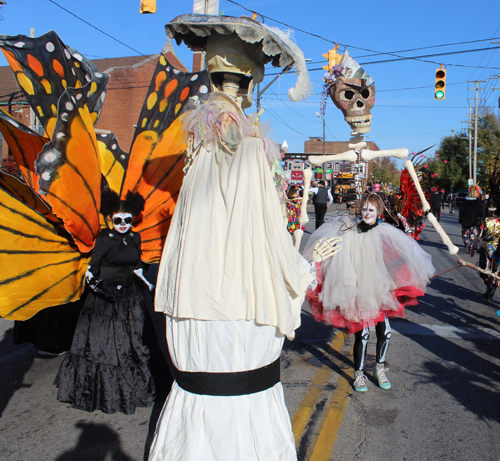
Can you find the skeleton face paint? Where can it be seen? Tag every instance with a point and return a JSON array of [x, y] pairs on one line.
[[369, 213], [122, 222]]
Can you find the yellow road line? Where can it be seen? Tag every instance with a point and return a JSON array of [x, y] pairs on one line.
[[330, 424], [303, 413]]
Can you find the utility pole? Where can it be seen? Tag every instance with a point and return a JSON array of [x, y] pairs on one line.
[[476, 117], [497, 77], [324, 135], [469, 137]]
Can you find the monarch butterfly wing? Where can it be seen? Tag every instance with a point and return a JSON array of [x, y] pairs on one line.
[[24, 144], [40, 265], [114, 160], [44, 67], [156, 163], [70, 171], [26, 195]]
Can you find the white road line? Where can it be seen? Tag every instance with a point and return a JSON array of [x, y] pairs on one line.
[[445, 331]]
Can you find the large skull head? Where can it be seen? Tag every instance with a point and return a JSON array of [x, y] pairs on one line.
[[355, 99]]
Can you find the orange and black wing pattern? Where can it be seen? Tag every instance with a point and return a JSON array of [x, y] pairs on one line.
[[69, 169], [114, 160], [41, 267], [156, 161], [26, 195], [45, 67], [24, 144]]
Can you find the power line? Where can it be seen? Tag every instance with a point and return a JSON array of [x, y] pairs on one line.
[[431, 55], [435, 46], [283, 122], [399, 58], [96, 28]]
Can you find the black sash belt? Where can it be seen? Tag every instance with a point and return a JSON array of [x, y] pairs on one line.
[[228, 384]]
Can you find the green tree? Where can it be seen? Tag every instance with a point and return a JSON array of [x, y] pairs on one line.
[[385, 171], [488, 148], [449, 169]]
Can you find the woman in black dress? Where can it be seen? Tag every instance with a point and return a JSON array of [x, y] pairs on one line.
[[107, 367]]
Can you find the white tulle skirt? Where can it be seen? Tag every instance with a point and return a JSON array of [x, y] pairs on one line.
[[376, 274], [196, 427]]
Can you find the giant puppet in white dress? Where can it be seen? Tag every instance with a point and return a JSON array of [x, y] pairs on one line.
[[230, 282]]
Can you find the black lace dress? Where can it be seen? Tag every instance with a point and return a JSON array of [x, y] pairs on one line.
[[107, 367]]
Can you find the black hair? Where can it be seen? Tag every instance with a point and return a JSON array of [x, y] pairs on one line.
[[111, 203], [291, 192]]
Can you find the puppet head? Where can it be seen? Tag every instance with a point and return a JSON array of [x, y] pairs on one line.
[[237, 50], [353, 92]]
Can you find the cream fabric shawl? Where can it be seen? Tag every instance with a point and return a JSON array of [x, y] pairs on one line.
[[228, 255]]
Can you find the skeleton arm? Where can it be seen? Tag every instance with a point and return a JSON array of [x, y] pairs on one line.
[[349, 156], [426, 207], [140, 273]]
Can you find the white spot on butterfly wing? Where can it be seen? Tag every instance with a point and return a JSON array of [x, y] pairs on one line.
[[49, 46], [203, 89], [46, 176], [194, 77], [19, 44], [50, 157], [69, 106]]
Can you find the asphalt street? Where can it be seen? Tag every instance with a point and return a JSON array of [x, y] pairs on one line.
[[444, 365]]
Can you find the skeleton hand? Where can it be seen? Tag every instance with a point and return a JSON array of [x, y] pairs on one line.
[[326, 248]]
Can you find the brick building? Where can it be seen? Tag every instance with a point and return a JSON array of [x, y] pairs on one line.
[[128, 85]]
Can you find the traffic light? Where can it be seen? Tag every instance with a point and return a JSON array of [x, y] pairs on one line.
[[440, 85], [333, 58]]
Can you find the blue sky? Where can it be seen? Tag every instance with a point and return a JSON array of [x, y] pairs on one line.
[[405, 112]]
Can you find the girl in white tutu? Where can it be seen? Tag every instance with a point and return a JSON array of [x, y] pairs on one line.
[[379, 272]]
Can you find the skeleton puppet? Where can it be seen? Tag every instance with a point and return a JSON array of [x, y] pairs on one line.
[[382, 269], [353, 92], [230, 281]]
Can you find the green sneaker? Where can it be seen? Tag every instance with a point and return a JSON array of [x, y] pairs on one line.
[[380, 370], [359, 382]]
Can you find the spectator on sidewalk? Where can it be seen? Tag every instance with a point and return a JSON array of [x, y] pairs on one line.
[[322, 198], [436, 201], [451, 201]]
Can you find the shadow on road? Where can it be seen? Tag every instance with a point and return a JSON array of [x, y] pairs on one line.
[[464, 373], [15, 362], [314, 337], [444, 308], [97, 442]]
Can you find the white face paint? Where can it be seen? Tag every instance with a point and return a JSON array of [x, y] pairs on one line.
[[369, 213], [122, 222]]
